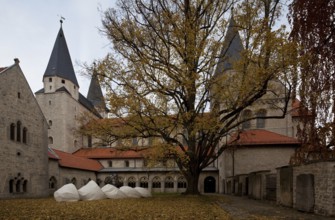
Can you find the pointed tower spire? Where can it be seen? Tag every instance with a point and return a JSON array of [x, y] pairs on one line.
[[231, 49], [60, 63], [95, 95]]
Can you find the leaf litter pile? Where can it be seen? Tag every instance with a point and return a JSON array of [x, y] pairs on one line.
[[162, 206]]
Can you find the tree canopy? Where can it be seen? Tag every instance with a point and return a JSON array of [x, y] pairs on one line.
[[313, 28], [164, 80]]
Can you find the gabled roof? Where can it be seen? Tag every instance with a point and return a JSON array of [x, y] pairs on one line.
[[82, 100], [231, 49], [88, 105], [95, 95], [108, 153], [261, 137], [2, 69], [72, 161], [60, 63]]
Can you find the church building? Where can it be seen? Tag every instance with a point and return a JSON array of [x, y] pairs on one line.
[[23, 138], [62, 103], [41, 150]]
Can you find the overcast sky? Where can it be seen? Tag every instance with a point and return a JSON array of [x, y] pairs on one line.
[[29, 29]]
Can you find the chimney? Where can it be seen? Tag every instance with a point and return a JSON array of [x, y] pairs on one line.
[[16, 60]]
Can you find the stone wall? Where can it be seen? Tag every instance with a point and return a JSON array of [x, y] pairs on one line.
[[23, 136], [253, 159], [324, 186], [285, 186]]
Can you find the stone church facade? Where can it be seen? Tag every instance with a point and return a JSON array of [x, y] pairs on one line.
[[59, 155], [23, 138]]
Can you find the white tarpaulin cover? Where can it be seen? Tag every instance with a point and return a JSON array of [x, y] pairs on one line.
[[143, 191], [113, 192], [67, 193], [130, 192], [91, 191]]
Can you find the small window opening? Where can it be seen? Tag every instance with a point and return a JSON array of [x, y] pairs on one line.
[[18, 131], [24, 135], [12, 131], [126, 163]]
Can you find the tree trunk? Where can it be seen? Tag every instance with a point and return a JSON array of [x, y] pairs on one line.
[[192, 183]]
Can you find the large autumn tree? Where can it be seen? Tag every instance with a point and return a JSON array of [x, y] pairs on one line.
[[313, 28], [163, 78]]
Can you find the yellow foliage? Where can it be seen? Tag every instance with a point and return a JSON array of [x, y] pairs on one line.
[[158, 207]]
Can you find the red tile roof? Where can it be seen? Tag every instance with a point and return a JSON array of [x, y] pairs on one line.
[[52, 154], [262, 137], [73, 161], [297, 110], [108, 153]]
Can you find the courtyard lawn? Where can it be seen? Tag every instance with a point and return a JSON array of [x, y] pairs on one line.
[[160, 206]]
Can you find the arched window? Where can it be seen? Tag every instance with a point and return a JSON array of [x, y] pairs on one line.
[[24, 185], [169, 182], [156, 182], [89, 141], [131, 182], [245, 116], [182, 182], [260, 122], [18, 131], [126, 163], [18, 186], [51, 140], [52, 182], [134, 141], [11, 186], [50, 123], [12, 132], [144, 182], [24, 135], [74, 181]]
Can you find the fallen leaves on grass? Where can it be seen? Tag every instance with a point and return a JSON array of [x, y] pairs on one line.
[[157, 207]]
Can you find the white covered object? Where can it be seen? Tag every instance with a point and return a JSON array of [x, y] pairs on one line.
[[130, 192], [91, 191], [68, 193], [143, 191], [113, 192]]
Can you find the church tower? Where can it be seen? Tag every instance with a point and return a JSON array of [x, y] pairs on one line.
[[59, 73], [61, 102], [231, 49], [95, 96]]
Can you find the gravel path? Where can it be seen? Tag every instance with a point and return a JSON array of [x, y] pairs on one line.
[[244, 208]]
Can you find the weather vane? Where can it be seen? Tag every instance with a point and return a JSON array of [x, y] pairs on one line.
[[61, 19]]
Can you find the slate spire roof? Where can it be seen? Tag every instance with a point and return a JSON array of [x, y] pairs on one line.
[[94, 94], [60, 63], [231, 50]]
